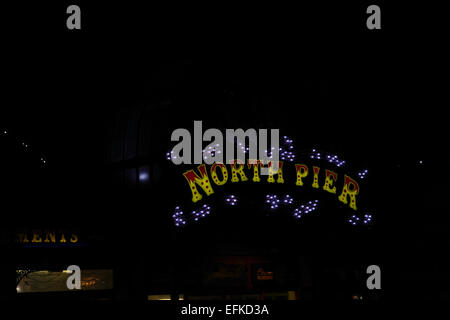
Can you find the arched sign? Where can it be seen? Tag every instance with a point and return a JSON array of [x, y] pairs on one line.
[[324, 174], [201, 180]]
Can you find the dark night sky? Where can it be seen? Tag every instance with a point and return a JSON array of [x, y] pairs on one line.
[[59, 85], [314, 72], [334, 82]]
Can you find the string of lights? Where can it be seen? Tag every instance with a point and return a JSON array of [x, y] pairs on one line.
[[231, 200], [287, 149], [330, 158], [355, 220], [170, 155], [244, 148], [178, 217], [26, 147], [305, 209], [367, 219], [211, 151], [362, 174], [201, 213], [288, 199], [273, 201]]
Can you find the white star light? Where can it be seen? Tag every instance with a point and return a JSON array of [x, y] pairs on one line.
[[306, 208]]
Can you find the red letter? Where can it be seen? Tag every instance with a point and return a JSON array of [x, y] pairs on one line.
[[192, 178], [350, 192], [330, 178]]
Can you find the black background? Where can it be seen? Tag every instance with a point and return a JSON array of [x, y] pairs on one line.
[[314, 71]]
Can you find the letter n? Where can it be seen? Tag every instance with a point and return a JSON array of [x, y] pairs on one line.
[[204, 183]]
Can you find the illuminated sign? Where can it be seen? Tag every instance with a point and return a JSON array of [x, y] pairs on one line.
[[39, 237], [344, 187]]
